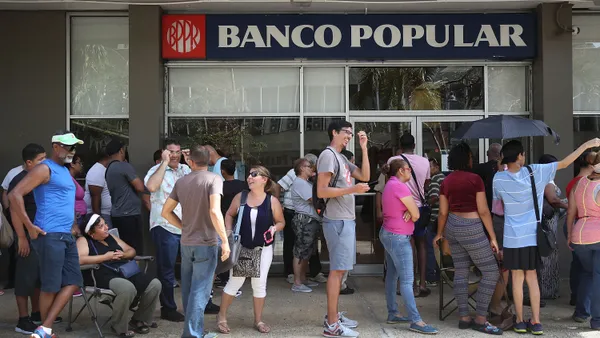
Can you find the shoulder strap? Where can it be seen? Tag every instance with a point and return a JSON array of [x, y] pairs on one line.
[[240, 214], [337, 173], [414, 176], [534, 192], [104, 264], [108, 166]]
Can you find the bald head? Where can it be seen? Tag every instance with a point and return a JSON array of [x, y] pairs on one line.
[[493, 152]]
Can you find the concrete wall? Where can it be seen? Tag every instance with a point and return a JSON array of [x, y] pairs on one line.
[[552, 96]]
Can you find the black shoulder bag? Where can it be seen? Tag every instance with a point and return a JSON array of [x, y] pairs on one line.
[[546, 238], [425, 209], [320, 203]]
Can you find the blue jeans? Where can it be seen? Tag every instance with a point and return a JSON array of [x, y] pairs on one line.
[[589, 282], [399, 255], [198, 264], [167, 245]]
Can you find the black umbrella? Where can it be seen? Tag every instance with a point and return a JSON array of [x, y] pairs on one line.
[[504, 127]]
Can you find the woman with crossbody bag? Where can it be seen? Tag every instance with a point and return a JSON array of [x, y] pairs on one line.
[[259, 217]]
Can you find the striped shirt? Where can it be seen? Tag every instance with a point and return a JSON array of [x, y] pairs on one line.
[[286, 184], [514, 191], [434, 191]]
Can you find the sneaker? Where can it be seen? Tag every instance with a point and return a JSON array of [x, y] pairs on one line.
[[171, 315], [520, 327], [427, 329], [25, 326], [338, 330], [347, 322], [36, 318], [238, 294], [311, 283], [40, 333], [301, 288], [319, 278], [211, 308], [579, 319], [347, 291], [290, 279], [535, 329]]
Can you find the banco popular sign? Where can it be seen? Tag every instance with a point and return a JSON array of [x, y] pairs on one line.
[[349, 37]]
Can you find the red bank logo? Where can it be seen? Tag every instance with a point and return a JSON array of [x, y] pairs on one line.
[[183, 36]]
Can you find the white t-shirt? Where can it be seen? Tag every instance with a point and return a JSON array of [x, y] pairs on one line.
[[9, 177], [96, 177]]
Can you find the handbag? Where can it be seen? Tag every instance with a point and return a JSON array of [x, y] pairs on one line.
[[126, 270], [248, 264], [7, 235], [546, 238], [425, 209], [234, 239]]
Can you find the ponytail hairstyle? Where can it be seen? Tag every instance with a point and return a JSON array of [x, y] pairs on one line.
[[264, 172]]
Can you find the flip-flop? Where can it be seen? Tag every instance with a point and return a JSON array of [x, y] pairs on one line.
[[262, 327], [127, 334], [139, 326], [222, 326]]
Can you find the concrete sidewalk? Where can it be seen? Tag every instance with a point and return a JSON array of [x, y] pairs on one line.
[[301, 315]]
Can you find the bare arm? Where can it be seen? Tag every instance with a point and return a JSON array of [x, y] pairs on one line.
[[96, 195], [84, 254], [571, 214], [364, 172], [593, 143], [277, 214], [216, 217], [146, 201], [485, 214], [138, 185], [442, 215], [38, 175], [325, 191], [550, 195], [156, 179], [128, 252], [168, 213], [410, 204], [21, 236]]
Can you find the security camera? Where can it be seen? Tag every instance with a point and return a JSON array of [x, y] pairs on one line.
[[575, 30]]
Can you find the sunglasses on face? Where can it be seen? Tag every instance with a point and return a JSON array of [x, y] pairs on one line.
[[254, 174], [69, 148]]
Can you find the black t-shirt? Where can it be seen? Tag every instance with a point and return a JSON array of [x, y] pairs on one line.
[[29, 200], [230, 189], [487, 171]]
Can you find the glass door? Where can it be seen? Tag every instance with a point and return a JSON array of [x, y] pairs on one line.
[[434, 138], [384, 136]]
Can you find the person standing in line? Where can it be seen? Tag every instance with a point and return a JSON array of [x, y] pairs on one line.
[[520, 252], [339, 225], [285, 185], [199, 194], [52, 232], [97, 196], [125, 186], [231, 187], [75, 169], [345, 289], [27, 265], [488, 169], [432, 196], [160, 181], [215, 162]]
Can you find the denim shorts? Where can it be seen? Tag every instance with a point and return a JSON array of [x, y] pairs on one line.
[[341, 242], [59, 261]]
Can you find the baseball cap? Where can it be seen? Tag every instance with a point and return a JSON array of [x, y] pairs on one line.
[[68, 139], [113, 147]]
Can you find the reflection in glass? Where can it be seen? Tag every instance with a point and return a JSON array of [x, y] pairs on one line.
[[323, 90], [234, 90], [586, 76], [96, 133], [585, 128], [315, 133], [507, 89], [437, 142], [99, 66], [416, 88]]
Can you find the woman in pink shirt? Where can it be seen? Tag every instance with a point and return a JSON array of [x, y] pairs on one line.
[[584, 238], [399, 214], [76, 168]]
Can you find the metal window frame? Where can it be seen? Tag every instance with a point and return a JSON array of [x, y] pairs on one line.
[[68, 18]]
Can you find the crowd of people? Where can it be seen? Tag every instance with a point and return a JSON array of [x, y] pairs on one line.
[[486, 214]]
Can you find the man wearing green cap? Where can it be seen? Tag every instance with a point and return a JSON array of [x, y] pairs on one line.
[[52, 231]]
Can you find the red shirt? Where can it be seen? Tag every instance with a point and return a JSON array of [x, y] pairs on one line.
[[572, 184], [461, 188]]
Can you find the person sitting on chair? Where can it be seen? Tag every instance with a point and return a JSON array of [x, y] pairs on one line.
[[98, 246]]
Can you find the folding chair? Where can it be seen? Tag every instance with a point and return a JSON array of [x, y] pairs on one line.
[[99, 295], [447, 270]]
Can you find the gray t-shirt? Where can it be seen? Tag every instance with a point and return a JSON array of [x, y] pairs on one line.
[[125, 200], [339, 208], [301, 192]]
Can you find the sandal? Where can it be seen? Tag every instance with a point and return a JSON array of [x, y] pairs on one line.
[[486, 328], [423, 293], [222, 325], [127, 334], [262, 327], [139, 326]]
